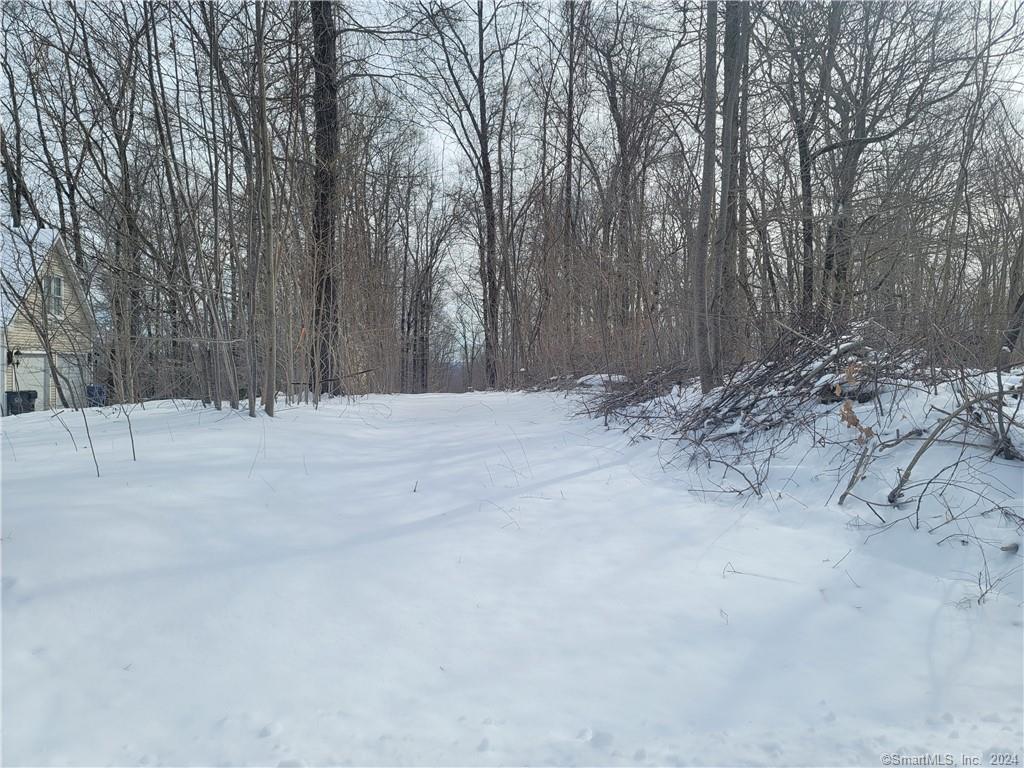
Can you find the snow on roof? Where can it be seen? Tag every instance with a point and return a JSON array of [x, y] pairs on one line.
[[23, 251]]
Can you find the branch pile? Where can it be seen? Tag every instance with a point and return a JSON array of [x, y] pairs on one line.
[[798, 371]]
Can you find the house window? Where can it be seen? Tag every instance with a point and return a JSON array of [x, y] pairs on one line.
[[53, 290]]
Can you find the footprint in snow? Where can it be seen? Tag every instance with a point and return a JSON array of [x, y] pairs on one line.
[[271, 729], [771, 748], [601, 740], [596, 739]]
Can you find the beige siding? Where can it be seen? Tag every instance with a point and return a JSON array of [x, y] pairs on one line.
[[69, 333]]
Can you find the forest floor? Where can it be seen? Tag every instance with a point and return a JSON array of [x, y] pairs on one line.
[[475, 579]]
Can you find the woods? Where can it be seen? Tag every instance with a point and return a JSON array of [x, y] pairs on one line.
[[324, 198]]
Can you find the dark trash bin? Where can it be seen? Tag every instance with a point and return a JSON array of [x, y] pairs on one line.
[[12, 403], [20, 401], [95, 395]]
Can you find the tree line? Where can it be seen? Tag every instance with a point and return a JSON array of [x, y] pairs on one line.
[[325, 197]]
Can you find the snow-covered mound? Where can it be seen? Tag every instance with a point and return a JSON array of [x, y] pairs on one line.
[[912, 455], [474, 579]]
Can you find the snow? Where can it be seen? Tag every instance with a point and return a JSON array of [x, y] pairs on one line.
[[829, 378], [477, 579], [736, 428], [845, 346], [604, 380]]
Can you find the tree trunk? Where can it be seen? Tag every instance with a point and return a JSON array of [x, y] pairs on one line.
[[707, 192], [266, 216], [725, 236], [324, 336], [489, 255]]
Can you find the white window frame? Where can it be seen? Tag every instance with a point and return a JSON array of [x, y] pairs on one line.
[[54, 299]]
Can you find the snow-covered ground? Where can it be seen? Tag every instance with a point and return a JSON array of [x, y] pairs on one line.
[[468, 579]]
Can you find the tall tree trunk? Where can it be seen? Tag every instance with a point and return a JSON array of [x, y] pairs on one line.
[[707, 193], [324, 336], [806, 223], [725, 237], [266, 215], [489, 256]]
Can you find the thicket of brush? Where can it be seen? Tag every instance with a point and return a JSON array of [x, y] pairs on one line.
[[849, 391]]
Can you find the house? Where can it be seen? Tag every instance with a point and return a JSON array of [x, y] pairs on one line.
[[48, 329]]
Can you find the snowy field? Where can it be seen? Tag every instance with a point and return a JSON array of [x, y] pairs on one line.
[[476, 579]]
